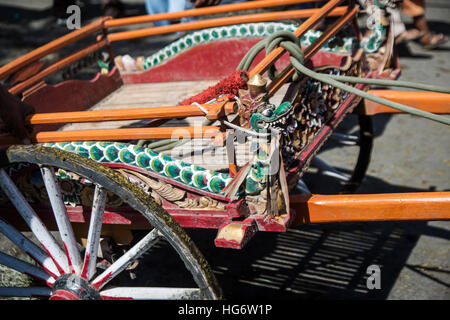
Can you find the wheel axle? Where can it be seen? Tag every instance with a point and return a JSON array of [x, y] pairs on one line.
[[73, 287]]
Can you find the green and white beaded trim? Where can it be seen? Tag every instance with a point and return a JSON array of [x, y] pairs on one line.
[[147, 159], [249, 30]]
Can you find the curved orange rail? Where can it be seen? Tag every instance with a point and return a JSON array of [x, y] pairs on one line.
[[59, 65], [318, 16], [210, 23], [51, 47], [226, 8]]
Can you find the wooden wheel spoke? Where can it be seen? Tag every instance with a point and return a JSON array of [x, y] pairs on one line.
[[95, 227], [126, 259], [29, 247], [33, 221], [155, 293], [25, 292], [62, 219], [84, 284], [25, 267]]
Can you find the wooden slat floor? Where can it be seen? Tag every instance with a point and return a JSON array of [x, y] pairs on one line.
[[169, 94]]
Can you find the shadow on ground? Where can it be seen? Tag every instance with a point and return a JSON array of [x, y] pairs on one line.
[[326, 261]]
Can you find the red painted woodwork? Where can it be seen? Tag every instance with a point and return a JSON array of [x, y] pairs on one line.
[[64, 295], [323, 134], [210, 61], [71, 95], [247, 230], [215, 60]]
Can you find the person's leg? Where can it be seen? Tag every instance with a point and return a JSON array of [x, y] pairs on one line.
[[413, 8], [399, 29], [188, 5], [416, 10], [176, 5], [157, 6]]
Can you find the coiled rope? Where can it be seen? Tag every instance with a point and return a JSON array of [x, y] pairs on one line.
[[291, 44]]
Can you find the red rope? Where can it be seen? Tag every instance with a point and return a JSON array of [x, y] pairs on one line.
[[228, 86]]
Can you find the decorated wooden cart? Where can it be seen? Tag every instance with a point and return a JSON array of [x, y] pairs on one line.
[[214, 130]]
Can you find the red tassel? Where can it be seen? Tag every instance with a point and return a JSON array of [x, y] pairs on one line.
[[229, 86]]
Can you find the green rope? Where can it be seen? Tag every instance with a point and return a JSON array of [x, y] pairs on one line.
[[155, 144], [171, 145], [390, 83], [291, 43], [368, 96], [168, 144]]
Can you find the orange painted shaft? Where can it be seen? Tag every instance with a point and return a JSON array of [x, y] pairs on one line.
[[118, 114], [371, 207], [118, 134], [52, 46], [203, 11], [286, 74], [57, 66], [318, 15], [428, 101], [210, 23]]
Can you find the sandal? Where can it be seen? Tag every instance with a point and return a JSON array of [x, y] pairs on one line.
[[432, 40]]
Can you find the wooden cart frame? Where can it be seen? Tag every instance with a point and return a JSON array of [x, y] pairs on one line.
[[235, 225]]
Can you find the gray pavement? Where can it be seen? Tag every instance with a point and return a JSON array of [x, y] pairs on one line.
[[323, 261]]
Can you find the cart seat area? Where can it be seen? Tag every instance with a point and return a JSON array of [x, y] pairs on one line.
[[169, 94]]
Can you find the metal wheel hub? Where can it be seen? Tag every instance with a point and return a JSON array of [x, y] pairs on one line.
[[73, 287]]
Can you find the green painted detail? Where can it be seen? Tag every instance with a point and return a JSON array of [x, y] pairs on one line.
[[216, 184], [147, 159], [124, 153], [259, 121], [378, 31], [95, 153], [103, 65], [249, 30]]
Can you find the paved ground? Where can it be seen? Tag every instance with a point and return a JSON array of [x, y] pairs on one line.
[[323, 261]]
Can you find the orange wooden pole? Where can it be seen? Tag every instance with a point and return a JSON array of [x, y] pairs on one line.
[[316, 17], [286, 74], [250, 5], [118, 114], [371, 207], [434, 102], [118, 134], [57, 66], [52, 46], [210, 23]]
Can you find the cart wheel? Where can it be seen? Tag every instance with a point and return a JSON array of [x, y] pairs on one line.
[[63, 273], [349, 182]]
